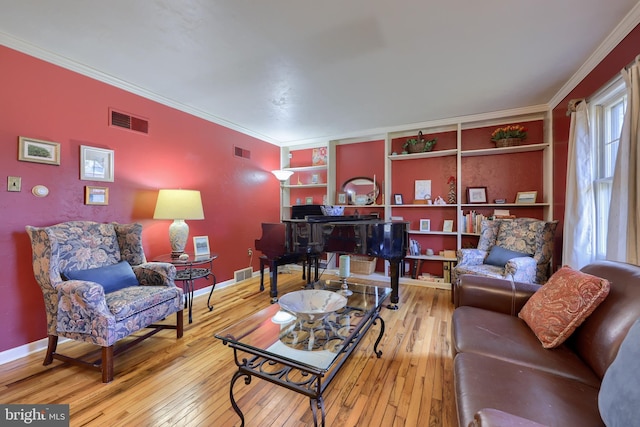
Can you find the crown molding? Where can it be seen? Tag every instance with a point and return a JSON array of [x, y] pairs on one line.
[[630, 21]]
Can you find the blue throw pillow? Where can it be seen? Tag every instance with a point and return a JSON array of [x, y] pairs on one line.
[[499, 256], [620, 389], [111, 277]]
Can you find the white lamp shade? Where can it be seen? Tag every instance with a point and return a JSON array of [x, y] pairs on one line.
[[178, 204], [282, 175]]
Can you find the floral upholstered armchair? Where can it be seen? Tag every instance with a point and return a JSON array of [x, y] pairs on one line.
[[517, 249], [99, 288]]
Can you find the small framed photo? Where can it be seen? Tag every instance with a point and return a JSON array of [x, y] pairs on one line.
[[425, 225], [476, 194], [201, 246], [38, 151], [96, 195], [315, 178], [447, 226], [397, 199], [96, 164], [526, 197], [342, 198], [309, 200]]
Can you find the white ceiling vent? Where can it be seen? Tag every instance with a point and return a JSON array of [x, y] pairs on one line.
[[127, 121]]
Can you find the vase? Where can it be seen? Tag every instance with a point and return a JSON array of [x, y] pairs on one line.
[[508, 142]]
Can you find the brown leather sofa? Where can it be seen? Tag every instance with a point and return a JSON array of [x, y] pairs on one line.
[[502, 374]]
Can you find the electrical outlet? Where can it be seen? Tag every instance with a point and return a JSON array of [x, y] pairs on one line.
[[249, 252], [14, 183]]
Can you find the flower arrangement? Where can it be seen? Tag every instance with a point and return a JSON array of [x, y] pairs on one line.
[[511, 131]]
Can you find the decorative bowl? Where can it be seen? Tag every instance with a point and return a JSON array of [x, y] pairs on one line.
[[332, 210], [312, 304]]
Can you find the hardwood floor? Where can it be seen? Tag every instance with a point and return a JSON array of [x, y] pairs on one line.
[[169, 382]]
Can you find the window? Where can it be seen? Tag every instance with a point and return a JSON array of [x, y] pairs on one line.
[[607, 114]]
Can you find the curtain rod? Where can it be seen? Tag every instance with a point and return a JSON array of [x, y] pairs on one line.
[[573, 103]]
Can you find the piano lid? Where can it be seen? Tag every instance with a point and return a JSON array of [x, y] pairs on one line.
[[339, 218]]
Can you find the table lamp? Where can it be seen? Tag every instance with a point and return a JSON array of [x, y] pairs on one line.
[[178, 205]]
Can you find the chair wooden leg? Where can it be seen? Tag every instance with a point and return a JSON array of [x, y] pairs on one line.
[[107, 364], [179, 324], [51, 348]]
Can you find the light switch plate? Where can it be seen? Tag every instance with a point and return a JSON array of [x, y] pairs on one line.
[[14, 183]]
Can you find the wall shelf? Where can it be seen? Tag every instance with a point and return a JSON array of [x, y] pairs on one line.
[[426, 155], [307, 168], [504, 150]]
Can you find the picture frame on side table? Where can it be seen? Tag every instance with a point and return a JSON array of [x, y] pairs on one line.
[[96, 164], [476, 195], [526, 197], [397, 199], [201, 246], [447, 226], [96, 195], [38, 151], [425, 225]]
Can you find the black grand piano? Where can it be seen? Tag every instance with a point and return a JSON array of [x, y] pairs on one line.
[[306, 238]]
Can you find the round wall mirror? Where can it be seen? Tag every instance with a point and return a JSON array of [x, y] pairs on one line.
[[360, 191]]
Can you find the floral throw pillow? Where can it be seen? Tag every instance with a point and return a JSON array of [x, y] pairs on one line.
[[562, 304]]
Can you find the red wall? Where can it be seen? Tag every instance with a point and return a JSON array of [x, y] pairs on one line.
[[44, 101], [609, 67]]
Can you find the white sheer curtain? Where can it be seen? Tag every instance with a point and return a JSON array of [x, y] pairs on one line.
[[578, 246], [623, 241]]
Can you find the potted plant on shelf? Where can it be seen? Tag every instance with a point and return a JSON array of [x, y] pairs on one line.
[[419, 144], [508, 136]]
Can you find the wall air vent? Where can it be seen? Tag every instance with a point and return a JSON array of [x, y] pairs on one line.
[[241, 152], [127, 121], [240, 275]]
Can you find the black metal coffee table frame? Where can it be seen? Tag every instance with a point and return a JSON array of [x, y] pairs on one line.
[[300, 377]]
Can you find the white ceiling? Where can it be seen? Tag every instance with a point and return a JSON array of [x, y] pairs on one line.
[[291, 71]]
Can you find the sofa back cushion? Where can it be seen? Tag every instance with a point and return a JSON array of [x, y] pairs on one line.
[[81, 245], [598, 339]]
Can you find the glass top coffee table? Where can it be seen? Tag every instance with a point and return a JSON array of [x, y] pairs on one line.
[[299, 354]]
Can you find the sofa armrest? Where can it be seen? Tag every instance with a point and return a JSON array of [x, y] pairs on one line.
[[469, 256], [80, 299], [488, 417], [501, 295], [155, 273], [522, 269]]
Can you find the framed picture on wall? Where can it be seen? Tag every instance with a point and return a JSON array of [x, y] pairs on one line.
[[201, 246], [96, 195], [96, 164], [38, 151]]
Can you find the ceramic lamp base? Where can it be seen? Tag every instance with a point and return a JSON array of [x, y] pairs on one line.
[[178, 234]]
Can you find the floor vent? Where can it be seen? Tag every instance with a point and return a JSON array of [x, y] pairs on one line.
[[245, 273], [241, 152], [127, 121]]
